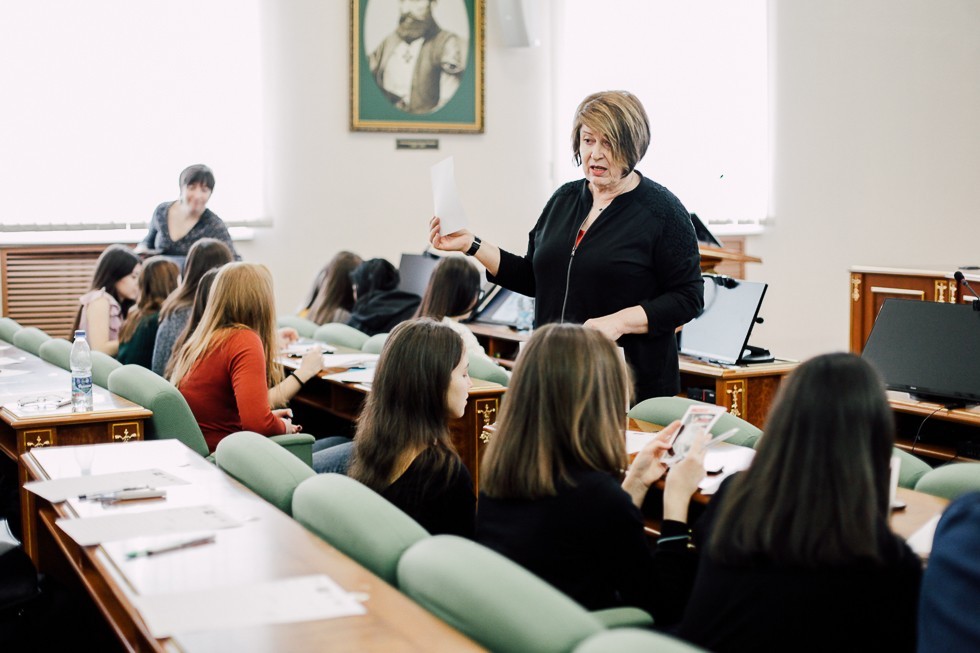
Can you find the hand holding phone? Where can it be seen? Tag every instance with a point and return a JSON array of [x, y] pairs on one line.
[[698, 419]]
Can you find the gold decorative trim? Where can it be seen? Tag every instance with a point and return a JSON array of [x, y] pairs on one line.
[[952, 291], [735, 391], [42, 438], [855, 287], [486, 408], [130, 431], [940, 286], [485, 436]]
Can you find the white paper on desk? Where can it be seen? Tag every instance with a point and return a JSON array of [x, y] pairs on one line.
[[124, 525], [636, 440], [921, 540], [7, 360], [6, 373], [350, 360], [288, 600], [63, 488], [353, 376], [445, 198], [727, 457], [299, 349]]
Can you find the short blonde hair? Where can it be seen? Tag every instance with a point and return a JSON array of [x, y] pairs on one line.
[[621, 118], [565, 409]]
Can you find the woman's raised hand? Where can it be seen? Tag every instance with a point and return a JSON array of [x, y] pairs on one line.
[[459, 241]]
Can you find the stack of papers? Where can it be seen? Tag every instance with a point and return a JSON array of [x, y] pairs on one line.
[[65, 488], [89, 531]]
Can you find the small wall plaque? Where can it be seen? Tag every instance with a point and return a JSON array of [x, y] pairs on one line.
[[416, 143]]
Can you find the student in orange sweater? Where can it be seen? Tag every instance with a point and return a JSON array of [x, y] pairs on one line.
[[227, 365]]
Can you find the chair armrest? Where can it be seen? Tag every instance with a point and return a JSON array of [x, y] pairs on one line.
[[623, 617], [298, 444]]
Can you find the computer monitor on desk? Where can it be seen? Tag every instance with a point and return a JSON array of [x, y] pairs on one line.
[[415, 270], [721, 333]]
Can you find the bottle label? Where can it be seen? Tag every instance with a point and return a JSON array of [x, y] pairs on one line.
[[81, 392]]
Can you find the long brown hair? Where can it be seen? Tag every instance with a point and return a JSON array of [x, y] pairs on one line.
[[115, 262], [197, 312], [158, 278], [241, 298], [205, 254], [334, 289], [452, 291], [406, 409], [817, 492], [565, 410]]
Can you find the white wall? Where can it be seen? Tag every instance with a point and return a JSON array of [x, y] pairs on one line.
[[876, 154], [332, 189]]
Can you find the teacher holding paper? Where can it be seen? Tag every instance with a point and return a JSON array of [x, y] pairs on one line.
[[614, 251]]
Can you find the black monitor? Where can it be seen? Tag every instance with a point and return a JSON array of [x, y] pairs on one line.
[[415, 270], [929, 349], [721, 333], [702, 232]]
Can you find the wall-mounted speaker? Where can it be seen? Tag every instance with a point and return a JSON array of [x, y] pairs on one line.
[[518, 22]]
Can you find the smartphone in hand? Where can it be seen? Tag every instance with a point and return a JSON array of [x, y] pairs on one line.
[[698, 419]]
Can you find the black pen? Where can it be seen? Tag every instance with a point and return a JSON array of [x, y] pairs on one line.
[[209, 539]]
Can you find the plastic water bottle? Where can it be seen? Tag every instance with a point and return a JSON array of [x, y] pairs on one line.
[[81, 373], [525, 313]]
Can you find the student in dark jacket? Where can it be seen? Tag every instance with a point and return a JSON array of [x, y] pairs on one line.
[[796, 552], [378, 304]]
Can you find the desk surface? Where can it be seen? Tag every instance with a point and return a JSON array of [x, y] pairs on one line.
[[268, 546]]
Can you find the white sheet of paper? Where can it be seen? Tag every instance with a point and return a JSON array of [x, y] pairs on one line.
[[921, 540], [299, 349], [288, 600], [7, 360], [350, 360], [730, 458], [63, 488], [445, 198], [6, 373], [354, 376], [636, 440], [124, 525]]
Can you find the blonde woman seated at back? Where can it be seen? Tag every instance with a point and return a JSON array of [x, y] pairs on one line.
[[229, 362]]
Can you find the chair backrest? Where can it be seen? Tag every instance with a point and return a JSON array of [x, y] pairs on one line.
[[102, 366], [634, 640], [482, 367], [172, 417], [491, 599], [951, 480], [335, 333], [664, 410], [911, 470], [30, 339], [305, 328], [8, 328], [357, 521], [375, 343], [262, 466], [56, 351]]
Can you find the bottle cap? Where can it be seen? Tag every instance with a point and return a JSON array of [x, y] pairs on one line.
[[80, 333]]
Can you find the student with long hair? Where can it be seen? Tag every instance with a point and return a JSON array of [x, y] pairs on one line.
[[451, 295], [553, 496], [378, 303], [798, 552], [403, 448], [138, 334], [229, 362], [197, 312], [114, 289], [332, 296], [205, 254]]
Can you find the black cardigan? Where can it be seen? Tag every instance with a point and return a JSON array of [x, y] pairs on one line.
[[641, 251]]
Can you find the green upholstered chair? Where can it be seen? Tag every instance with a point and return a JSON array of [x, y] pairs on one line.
[[375, 343], [8, 328], [911, 470], [102, 366], [30, 339], [631, 640], [492, 600], [664, 410], [335, 333], [357, 521], [482, 367], [951, 480], [56, 351], [263, 467], [172, 417], [305, 328]]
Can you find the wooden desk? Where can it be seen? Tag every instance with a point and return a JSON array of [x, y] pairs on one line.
[[946, 435], [268, 546], [113, 419]]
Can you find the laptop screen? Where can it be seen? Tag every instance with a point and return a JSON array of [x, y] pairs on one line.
[[722, 331]]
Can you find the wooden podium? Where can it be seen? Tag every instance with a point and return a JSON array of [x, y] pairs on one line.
[[731, 259]]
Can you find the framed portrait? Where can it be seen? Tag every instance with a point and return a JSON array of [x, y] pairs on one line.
[[417, 65]]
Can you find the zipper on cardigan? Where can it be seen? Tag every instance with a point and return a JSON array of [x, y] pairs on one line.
[[568, 280]]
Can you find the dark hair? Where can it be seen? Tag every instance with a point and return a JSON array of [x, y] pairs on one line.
[[376, 274], [204, 255], [115, 262], [333, 288], [197, 174], [158, 278], [202, 293], [817, 492], [453, 289], [406, 408]]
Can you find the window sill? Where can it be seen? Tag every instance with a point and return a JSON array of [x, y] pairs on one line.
[[97, 236]]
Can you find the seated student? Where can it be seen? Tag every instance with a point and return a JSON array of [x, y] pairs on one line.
[[403, 449], [114, 289], [552, 493], [451, 296], [138, 334], [378, 304], [796, 551], [332, 295], [229, 362], [205, 254], [950, 595]]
